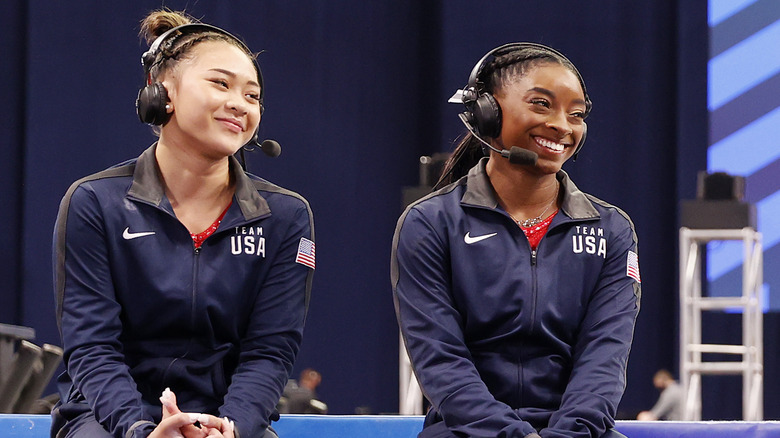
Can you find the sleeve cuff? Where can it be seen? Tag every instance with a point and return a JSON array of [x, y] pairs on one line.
[[140, 429]]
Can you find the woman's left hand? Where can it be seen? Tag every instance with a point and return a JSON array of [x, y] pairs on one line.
[[217, 427]]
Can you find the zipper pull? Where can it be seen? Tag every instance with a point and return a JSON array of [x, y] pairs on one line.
[[533, 257]]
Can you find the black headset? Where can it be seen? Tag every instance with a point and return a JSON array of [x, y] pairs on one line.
[[483, 112], [153, 97]]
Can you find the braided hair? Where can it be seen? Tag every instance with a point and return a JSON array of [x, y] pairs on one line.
[[177, 47], [503, 70]]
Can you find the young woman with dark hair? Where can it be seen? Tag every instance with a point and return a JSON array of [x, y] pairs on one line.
[[517, 293], [182, 281]]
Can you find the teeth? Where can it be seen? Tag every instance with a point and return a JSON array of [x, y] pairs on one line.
[[557, 147]]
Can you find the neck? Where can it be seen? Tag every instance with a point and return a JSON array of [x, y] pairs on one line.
[[520, 190], [189, 177]]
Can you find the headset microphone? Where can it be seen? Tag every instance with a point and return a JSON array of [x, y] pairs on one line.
[[268, 146], [515, 155], [271, 148]]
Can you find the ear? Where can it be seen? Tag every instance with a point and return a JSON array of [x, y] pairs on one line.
[[170, 87]]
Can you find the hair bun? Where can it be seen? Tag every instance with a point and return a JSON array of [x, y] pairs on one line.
[[160, 21]]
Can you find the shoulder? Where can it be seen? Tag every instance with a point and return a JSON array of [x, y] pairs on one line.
[[611, 213], [264, 186], [121, 170], [617, 224], [280, 202], [268, 189], [427, 221], [435, 205], [114, 179]]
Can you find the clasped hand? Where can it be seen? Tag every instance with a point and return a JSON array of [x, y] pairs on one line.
[[178, 424]]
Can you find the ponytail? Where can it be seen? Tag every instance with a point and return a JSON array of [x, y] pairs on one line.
[[466, 155], [160, 21]]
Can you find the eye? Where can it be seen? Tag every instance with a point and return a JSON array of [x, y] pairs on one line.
[[220, 82], [540, 102], [253, 96], [579, 114]]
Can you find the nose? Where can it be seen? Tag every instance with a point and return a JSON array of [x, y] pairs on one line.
[[559, 122], [237, 104], [237, 108]]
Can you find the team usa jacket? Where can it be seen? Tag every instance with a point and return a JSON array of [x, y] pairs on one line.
[[510, 342], [140, 309]]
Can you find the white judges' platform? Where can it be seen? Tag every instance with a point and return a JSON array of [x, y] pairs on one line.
[[390, 426]]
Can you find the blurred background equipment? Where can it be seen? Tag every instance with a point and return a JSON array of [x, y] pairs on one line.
[[719, 204], [720, 215], [25, 370], [430, 169]]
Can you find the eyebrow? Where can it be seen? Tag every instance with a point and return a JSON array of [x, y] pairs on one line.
[[552, 95], [232, 75]]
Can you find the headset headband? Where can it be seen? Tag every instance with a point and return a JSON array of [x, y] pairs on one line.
[[149, 58], [478, 86]]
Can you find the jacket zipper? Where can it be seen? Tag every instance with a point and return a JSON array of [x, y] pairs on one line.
[[534, 293], [195, 266], [535, 286], [196, 253]]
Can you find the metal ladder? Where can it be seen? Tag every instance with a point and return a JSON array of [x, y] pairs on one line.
[[692, 304]]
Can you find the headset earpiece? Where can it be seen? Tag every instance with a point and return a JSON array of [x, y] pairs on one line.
[[151, 103], [486, 113]]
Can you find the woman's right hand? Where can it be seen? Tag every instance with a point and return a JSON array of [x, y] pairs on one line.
[[174, 425], [170, 410], [210, 426]]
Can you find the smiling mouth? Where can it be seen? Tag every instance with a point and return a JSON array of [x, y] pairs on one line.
[[549, 144], [232, 125]]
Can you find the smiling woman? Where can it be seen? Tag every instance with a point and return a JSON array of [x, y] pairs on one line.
[[214, 101], [517, 293], [168, 330]]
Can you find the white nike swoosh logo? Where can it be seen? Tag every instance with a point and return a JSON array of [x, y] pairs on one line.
[[469, 240], [128, 235]]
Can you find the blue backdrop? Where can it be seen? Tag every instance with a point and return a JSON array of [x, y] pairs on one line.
[[356, 92], [744, 110]]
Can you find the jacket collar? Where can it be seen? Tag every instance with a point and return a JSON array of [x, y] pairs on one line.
[[148, 186], [480, 193]]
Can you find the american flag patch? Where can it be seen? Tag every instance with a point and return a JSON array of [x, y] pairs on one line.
[[305, 254], [632, 266]]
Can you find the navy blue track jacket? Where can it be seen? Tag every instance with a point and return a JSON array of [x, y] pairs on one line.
[[140, 309], [510, 342]]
